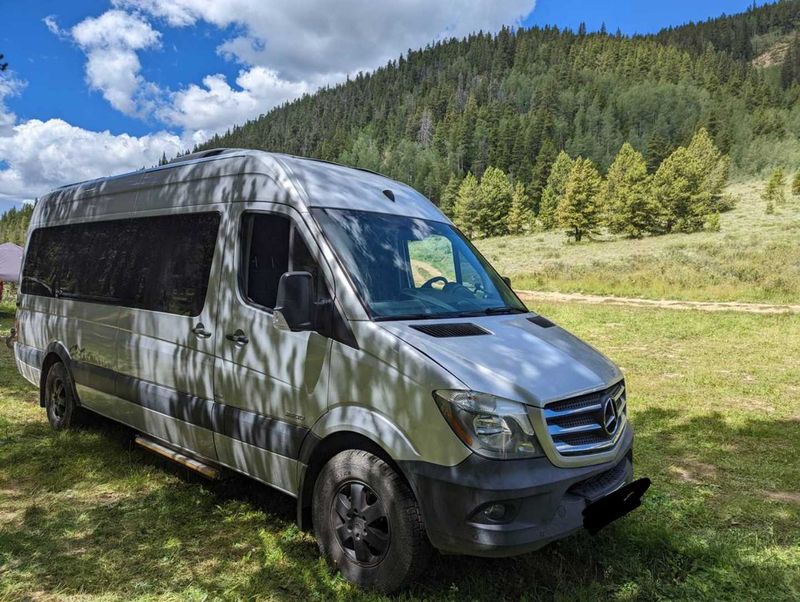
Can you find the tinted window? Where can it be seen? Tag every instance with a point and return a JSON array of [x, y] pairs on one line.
[[154, 263], [272, 247]]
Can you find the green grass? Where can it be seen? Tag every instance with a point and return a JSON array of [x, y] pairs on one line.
[[715, 399], [754, 257]]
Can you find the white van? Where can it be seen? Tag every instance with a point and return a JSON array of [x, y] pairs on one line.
[[328, 332]]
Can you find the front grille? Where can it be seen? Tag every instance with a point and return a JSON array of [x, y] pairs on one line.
[[587, 424]]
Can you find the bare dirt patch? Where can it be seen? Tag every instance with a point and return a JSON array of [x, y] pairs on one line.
[[752, 308]]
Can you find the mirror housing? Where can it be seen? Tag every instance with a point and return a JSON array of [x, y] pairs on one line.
[[294, 306], [507, 280]]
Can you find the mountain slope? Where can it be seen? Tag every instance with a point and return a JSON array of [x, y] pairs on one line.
[[513, 99]]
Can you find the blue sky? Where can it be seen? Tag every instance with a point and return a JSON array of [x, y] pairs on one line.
[[104, 86]]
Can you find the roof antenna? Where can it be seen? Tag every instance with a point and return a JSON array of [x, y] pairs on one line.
[[389, 194]]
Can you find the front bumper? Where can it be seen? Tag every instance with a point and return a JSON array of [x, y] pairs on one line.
[[540, 502]]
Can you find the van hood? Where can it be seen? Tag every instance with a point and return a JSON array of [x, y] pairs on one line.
[[516, 359]]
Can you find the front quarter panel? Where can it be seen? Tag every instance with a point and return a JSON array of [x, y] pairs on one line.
[[384, 390]]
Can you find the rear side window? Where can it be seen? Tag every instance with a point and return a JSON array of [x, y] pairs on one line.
[[155, 263]]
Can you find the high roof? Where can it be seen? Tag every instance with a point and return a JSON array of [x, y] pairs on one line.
[[231, 175]]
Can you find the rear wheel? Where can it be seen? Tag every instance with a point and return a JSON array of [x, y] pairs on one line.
[[62, 408], [367, 522]]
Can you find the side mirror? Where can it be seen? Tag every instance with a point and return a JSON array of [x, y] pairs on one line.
[[507, 280], [294, 305]]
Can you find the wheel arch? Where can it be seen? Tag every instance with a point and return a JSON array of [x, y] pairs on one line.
[[55, 352], [345, 428]]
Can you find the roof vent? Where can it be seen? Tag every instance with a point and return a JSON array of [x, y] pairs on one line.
[[389, 194], [541, 321], [447, 330]]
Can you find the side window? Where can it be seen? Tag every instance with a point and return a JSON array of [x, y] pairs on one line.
[[155, 263], [271, 247], [431, 257]]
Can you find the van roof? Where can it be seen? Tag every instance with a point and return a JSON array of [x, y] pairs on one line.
[[231, 175]]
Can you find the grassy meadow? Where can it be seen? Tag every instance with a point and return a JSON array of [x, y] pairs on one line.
[[715, 400], [754, 257]]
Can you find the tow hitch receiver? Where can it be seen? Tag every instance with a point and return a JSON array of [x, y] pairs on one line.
[[615, 505]]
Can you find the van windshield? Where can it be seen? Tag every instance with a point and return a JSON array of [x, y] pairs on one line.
[[406, 268]]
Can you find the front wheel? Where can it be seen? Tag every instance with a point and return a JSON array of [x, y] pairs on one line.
[[367, 522], [62, 407]]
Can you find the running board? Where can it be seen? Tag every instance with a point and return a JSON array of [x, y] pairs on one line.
[[170, 454]]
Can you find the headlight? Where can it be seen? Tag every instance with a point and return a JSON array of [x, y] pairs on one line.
[[490, 426]]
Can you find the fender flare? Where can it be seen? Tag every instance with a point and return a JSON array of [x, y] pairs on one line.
[[363, 421], [56, 348], [368, 425]]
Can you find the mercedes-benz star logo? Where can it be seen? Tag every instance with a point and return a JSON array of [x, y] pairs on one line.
[[610, 417]]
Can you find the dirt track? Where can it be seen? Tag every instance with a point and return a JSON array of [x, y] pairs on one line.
[[753, 308]]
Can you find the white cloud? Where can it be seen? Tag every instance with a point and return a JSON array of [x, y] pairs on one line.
[[312, 39], [215, 106], [111, 42], [38, 156], [52, 26]]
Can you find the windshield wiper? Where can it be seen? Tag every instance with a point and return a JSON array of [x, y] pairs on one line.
[[493, 311], [417, 317]]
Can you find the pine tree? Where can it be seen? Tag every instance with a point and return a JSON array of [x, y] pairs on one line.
[[627, 203], [495, 198], [796, 184], [774, 191], [688, 185], [790, 70], [447, 202], [520, 217], [554, 190], [541, 171], [579, 212], [467, 205]]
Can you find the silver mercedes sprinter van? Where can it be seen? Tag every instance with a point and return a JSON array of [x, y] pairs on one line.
[[328, 332]]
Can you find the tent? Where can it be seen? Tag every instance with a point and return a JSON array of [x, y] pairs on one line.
[[10, 262]]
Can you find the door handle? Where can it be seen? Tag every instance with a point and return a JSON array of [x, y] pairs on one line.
[[201, 332], [238, 337]]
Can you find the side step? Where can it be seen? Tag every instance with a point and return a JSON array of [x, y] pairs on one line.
[[170, 454]]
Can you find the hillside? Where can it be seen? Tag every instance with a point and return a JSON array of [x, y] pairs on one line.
[[512, 100], [754, 257]]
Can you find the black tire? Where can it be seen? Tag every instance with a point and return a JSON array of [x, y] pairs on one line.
[[367, 522], [62, 407]]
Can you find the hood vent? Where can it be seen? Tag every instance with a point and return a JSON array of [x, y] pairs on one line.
[[541, 321], [462, 329]]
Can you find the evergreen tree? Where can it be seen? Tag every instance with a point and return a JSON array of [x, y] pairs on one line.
[[579, 211], [447, 202], [495, 198], [626, 199], [796, 184], [554, 190], [520, 217], [541, 171], [790, 69], [774, 192], [467, 206], [688, 185]]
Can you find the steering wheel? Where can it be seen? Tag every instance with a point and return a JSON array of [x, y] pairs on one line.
[[430, 282]]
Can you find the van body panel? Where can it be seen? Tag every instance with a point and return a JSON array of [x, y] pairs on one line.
[[391, 379], [186, 436], [277, 374], [328, 185], [270, 468], [517, 360]]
